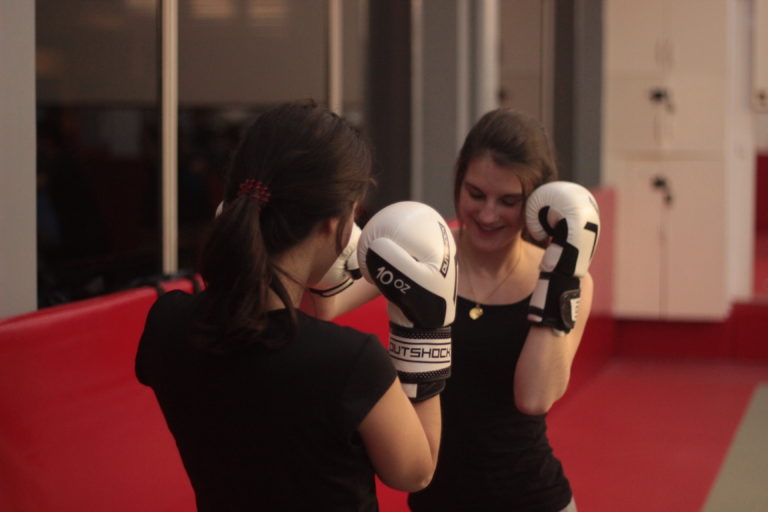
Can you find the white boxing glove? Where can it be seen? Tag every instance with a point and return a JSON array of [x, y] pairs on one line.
[[409, 253], [344, 271], [568, 213]]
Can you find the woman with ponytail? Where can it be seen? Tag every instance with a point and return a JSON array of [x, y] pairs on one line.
[[272, 409]]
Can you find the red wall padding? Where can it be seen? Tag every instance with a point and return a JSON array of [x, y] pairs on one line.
[[761, 196], [77, 431], [740, 336]]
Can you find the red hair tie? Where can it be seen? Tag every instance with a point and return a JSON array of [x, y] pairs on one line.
[[255, 190]]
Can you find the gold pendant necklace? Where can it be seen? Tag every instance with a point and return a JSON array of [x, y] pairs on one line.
[[477, 311]]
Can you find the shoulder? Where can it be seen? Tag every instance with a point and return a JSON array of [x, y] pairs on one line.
[[317, 326], [166, 314], [168, 307], [173, 299], [533, 251], [171, 312], [168, 304], [335, 337], [359, 357], [529, 266]]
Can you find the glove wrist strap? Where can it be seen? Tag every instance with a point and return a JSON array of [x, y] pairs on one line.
[[420, 392], [555, 302], [422, 358], [330, 292]]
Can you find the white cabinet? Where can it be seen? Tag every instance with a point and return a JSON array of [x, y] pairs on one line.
[[670, 258], [676, 50], [670, 100]]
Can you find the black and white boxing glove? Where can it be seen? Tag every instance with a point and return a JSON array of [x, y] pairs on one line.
[[344, 271], [568, 213], [409, 253]]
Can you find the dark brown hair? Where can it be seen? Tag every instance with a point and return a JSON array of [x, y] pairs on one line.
[[315, 166], [509, 138]]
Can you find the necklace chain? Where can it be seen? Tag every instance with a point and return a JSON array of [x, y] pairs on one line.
[[477, 311]]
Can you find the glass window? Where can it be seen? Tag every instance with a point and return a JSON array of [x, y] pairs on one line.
[[98, 163], [236, 58], [98, 110]]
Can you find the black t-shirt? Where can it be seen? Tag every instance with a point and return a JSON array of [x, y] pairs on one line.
[[492, 456], [267, 429]]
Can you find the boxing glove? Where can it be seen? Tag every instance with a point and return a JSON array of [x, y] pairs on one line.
[[568, 213], [344, 271], [409, 253]]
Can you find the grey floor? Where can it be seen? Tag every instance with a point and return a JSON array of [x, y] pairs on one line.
[[742, 484]]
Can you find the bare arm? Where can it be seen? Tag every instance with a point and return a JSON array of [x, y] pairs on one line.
[[544, 368], [328, 308], [402, 439]]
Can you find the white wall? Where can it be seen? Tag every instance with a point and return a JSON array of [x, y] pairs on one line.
[[18, 264]]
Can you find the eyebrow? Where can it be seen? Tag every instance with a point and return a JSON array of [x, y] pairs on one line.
[[519, 195]]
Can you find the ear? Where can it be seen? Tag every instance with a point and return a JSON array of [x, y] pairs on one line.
[[328, 226]]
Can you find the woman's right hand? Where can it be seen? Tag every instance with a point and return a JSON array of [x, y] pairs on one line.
[[407, 250]]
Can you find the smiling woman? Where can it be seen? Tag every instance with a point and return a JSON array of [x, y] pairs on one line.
[[511, 360], [490, 204]]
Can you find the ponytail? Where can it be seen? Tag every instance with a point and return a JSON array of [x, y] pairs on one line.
[[296, 165], [238, 273]]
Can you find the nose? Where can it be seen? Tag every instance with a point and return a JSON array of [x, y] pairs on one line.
[[487, 213]]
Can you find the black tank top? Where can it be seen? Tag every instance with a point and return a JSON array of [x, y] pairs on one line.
[[492, 456]]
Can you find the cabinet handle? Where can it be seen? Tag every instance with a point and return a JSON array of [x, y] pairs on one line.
[[662, 96], [660, 183]]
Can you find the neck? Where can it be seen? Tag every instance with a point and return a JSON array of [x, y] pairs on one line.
[[293, 274], [295, 293]]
